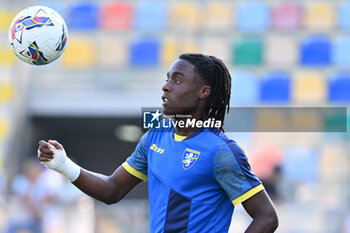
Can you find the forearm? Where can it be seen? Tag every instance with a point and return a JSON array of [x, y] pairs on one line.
[[97, 186]]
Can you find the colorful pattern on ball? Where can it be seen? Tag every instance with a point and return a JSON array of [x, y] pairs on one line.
[[37, 56], [29, 23], [63, 41]]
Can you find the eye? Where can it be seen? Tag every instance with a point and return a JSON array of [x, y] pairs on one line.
[[177, 81]]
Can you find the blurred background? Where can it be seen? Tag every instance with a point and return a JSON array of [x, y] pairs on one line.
[[280, 54]]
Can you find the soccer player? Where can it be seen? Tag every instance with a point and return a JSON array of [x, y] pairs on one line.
[[196, 174]]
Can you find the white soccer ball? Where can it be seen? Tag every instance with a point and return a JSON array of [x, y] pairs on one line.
[[38, 35]]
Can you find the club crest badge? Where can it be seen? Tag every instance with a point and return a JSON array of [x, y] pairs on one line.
[[189, 158]]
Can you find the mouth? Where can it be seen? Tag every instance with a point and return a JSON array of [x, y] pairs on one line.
[[165, 100]]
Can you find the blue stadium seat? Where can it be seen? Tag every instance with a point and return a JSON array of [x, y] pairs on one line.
[[338, 88], [344, 15], [145, 52], [253, 16], [150, 15], [245, 88], [301, 164], [341, 51], [58, 6], [83, 15], [316, 51], [275, 87]]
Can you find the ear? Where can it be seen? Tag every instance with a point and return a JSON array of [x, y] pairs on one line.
[[205, 92]]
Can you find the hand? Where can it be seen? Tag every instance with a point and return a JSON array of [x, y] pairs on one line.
[[52, 155]]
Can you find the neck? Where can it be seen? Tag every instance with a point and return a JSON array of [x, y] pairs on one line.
[[180, 123]]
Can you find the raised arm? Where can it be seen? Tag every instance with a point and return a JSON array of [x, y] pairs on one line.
[[108, 189]]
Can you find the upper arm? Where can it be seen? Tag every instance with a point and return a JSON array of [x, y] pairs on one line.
[[259, 205], [233, 173], [132, 171], [136, 164]]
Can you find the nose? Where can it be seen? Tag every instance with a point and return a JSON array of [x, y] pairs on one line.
[[166, 88]]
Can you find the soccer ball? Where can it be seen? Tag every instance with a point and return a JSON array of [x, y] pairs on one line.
[[38, 35]]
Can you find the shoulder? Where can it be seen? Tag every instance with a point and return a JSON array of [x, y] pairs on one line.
[[224, 143]]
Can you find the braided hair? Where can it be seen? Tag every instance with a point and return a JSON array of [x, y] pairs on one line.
[[214, 73]]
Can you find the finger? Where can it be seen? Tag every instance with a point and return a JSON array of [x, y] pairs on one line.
[[44, 144], [56, 144], [41, 159], [46, 150], [45, 155], [42, 155]]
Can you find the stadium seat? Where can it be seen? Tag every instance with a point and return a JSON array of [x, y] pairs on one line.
[[248, 51], [245, 88], [116, 15], [320, 16], [216, 46], [264, 160], [341, 51], [333, 162], [309, 87], [344, 15], [145, 52], [286, 16], [80, 53], [150, 15], [3, 128], [7, 91], [315, 51], [253, 16], [270, 120], [169, 51], [59, 6], [83, 15], [185, 16], [335, 120], [218, 16], [6, 17], [275, 87], [239, 119], [339, 88], [112, 52], [301, 164], [274, 46], [7, 56], [305, 120], [188, 45]]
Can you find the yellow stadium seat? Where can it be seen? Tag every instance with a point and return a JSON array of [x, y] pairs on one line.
[[306, 120], [7, 91], [270, 121], [309, 87], [185, 16], [333, 162], [3, 128], [6, 18], [216, 47], [218, 16], [188, 46], [80, 53], [274, 46], [320, 16], [169, 51], [7, 56], [112, 53]]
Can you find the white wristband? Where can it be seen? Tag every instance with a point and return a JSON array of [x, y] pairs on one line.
[[62, 164], [71, 170]]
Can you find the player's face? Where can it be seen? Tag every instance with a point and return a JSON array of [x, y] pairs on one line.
[[182, 89]]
